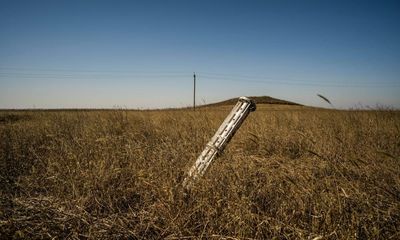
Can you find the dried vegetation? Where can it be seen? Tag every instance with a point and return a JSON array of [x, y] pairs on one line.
[[290, 172]]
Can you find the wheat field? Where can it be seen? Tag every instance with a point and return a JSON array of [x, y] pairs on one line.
[[290, 172]]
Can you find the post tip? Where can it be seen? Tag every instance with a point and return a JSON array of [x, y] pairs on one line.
[[253, 106]]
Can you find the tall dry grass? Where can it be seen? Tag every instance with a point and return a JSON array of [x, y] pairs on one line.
[[289, 173]]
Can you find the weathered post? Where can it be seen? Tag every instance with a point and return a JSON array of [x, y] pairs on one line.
[[221, 138]]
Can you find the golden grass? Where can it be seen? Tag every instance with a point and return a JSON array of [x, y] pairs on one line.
[[290, 172]]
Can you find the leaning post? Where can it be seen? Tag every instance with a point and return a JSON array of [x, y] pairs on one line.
[[219, 141]]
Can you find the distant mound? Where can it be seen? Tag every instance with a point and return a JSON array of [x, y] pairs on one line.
[[258, 100]]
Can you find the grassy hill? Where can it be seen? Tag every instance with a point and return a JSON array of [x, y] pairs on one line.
[[258, 100]]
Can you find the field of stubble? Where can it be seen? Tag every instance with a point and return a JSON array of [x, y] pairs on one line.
[[290, 172]]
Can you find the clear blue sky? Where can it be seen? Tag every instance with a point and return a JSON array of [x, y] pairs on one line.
[[142, 54]]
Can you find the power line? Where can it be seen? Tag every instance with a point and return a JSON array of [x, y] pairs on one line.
[[36, 73], [255, 77], [54, 75], [91, 70], [298, 83]]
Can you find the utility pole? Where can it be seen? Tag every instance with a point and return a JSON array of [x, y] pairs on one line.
[[194, 91]]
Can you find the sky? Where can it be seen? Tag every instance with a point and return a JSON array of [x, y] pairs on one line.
[[142, 54]]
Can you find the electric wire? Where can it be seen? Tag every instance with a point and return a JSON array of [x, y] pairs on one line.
[[47, 73]]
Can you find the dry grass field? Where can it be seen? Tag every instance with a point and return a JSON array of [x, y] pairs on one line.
[[290, 172]]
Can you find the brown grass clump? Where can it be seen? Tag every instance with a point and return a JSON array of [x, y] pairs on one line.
[[290, 172]]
